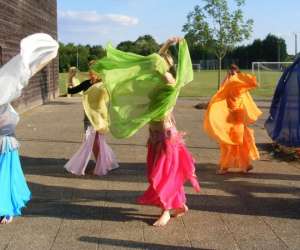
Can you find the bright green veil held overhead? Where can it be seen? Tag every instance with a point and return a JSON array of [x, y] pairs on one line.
[[137, 88]]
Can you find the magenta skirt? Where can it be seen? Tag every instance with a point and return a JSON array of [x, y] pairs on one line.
[[169, 165]]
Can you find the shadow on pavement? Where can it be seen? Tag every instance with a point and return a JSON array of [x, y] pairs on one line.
[[248, 194], [133, 244]]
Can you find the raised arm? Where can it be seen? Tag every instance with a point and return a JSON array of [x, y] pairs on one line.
[[169, 78], [168, 43]]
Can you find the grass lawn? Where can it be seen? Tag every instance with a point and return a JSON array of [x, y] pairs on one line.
[[205, 83]]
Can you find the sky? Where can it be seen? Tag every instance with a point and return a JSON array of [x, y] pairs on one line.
[[101, 21]]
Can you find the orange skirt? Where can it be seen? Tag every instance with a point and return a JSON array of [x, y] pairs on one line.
[[239, 156]]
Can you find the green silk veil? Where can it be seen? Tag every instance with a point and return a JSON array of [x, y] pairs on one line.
[[137, 88]]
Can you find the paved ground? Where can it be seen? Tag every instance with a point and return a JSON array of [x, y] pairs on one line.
[[257, 211]]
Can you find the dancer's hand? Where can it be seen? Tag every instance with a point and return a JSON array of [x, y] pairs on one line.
[[174, 40], [171, 41]]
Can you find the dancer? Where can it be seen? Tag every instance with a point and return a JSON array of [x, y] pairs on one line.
[[94, 100], [283, 123], [143, 90], [36, 51], [228, 115]]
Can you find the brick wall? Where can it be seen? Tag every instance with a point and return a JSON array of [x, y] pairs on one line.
[[19, 18]]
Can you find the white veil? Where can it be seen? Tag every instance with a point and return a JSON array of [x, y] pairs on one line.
[[36, 51]]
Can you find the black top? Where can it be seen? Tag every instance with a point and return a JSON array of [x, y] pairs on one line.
[[81, 87]]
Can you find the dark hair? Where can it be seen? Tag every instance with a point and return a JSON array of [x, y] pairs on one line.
[[235, 68]]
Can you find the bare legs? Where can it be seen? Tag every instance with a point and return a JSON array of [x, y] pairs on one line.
[[163, 219], [178, 212], [221, 171], [5, 220], [166, 215], [96, 149], [244, 170], [96, 146]]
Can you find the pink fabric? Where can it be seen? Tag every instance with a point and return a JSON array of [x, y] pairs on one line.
[[105, 161], [170, 165]]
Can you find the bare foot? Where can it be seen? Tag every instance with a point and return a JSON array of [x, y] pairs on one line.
[[250, 167], [181, 211], [163, 219], [221, 171], [6, 220]]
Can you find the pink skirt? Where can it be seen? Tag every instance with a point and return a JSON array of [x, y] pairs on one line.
[[170, 165], [105, 160]]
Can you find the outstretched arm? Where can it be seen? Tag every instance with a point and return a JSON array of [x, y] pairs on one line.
[[81, 87], [168, 43]]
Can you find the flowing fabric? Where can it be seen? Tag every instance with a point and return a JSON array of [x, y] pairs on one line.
[[170, 165], [283, 123], [137, 89], [14, 192], [36, 51], [139, 94], [228, 115], [105, 161], [95, 101]]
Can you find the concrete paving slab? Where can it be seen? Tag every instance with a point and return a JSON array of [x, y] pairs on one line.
[[260, 210]]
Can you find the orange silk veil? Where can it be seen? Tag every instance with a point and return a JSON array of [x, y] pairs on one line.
[[217, 122]]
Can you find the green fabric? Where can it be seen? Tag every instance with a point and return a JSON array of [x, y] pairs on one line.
[[137, 87]]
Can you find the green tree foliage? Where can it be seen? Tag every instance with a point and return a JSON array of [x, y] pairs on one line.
[[270, 49], [144, 45], [68, 55], [96, 52], [271, 44], [215, 25], [127, 46], [267, 49]]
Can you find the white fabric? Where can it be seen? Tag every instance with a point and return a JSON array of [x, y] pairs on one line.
[[8, 143], [8, 122], [36, 51]]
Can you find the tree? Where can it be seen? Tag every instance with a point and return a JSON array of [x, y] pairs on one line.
[[83, 57], [144, 45], [216, 26], [274, 48], [270, 49], [96, 52], [126, 46]]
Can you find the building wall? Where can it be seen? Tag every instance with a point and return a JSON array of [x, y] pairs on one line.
[[20, 18]]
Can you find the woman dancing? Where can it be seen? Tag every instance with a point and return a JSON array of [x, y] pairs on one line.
[[95, 99], [37, 50], [230, 112], [144, 90]]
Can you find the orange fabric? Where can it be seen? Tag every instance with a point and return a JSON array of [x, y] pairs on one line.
[[229, 113]]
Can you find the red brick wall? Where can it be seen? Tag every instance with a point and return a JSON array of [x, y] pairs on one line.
[[19, 18]]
